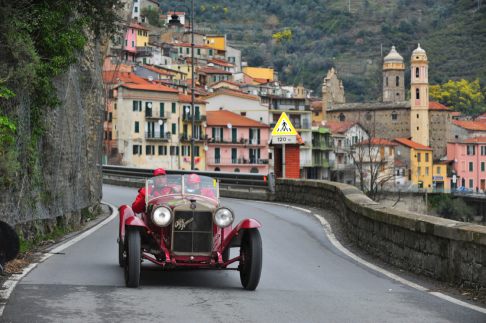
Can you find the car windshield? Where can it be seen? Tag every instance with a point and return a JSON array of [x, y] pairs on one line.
[[191, 184]]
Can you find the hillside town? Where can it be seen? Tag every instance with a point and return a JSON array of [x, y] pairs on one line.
[[173, 87]]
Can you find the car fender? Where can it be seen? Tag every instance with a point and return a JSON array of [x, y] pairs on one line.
[[124, 212], [233, 239]]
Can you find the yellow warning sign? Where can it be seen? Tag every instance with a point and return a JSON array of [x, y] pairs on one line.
[[284, 127]]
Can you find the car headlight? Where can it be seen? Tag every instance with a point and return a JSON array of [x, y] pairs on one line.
[[162, 216], [223, 217]]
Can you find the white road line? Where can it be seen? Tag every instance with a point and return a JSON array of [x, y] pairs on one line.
[[332, 238], [10, 284]]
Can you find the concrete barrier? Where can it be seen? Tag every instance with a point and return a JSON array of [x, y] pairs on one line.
[[442, 249]]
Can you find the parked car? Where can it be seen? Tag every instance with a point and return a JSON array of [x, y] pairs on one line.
[[187, 227]]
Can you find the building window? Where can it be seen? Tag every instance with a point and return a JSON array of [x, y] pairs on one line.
[[149, 150], [137, 106], [174, 150], [394, 116], [162, 150], [471, 166], [417, 72], [438, 170], [417, 94], [471, 150], [148, 109], [483, 150], [417, 115], [137, 127], [136, 9], [482, 166], [386, 81], [426, 157], [174, 128], [397, 81], [418, 157], [173, 107], [368, 116], [426, 171], [196, 151], [342, 117], [471, 183], [418, 171], [137, 149]]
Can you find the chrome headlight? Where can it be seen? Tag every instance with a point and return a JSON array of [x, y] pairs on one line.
[[223, 217], [162, 216]]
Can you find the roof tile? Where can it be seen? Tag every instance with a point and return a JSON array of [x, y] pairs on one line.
[[412, 144], [223, 117]]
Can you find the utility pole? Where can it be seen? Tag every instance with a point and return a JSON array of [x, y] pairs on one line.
[[193, 82]]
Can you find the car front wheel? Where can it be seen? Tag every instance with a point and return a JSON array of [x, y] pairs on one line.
[[121, 254], [132, 263], [251, 259]]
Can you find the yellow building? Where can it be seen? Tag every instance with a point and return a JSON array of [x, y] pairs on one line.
[[259, 73], [420, 164], [142, 39], [216, 42], [183, 71], [185, 126], [317, 113], [440, 179]]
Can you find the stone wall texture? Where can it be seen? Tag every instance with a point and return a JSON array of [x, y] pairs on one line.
[[69, 154], [442, 249]]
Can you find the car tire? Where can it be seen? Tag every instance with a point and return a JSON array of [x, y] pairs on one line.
[[132, 265], [251, 259], [121, 250]]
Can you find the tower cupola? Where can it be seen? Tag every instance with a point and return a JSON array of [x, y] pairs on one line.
[[393, 77]]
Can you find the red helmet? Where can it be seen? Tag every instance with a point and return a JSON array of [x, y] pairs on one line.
[[193, 179], [159, 171]]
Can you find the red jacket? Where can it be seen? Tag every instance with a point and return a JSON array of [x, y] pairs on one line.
[[138, 206]]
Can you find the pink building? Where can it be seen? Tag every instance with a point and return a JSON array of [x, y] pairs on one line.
[[469, 158], [236, 143], [130, 45]]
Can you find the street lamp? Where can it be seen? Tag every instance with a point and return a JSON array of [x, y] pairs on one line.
[[175, 21]]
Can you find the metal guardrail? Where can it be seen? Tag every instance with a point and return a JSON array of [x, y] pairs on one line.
[[226, 180]]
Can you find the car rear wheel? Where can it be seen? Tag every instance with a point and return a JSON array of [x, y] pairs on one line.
[[132, 265], [251, 259]]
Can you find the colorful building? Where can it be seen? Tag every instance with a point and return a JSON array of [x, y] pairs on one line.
[[321, 148], [236, 143], [417, 161], [259, 73], [469, 158]]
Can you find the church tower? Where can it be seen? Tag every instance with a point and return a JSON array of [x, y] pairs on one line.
[[419, 97], [332, 91], [393, 77]]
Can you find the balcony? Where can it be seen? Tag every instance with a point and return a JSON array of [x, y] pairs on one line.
[[186, 138], [321, 163], [322, 146], [152, 115], [144, 51], [197, 118], [164, 136], [237, 161]]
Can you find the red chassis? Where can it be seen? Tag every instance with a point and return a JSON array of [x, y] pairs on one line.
[[141, 238]]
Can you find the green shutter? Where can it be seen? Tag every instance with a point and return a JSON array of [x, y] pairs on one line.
[[162, 109], [174, 129], [173, 107], [137, 127], [258, 136]]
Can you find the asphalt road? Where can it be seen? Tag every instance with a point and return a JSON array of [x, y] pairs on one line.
[[304, 279]]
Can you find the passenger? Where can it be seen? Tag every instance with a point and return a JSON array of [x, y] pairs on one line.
[[159, 188], [194, 187]]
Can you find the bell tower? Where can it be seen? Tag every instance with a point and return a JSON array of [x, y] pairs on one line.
[[393, 77], [419, 97]]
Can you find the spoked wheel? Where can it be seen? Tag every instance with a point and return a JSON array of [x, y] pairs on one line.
[[121, 253], [251, 259], [132, 262]]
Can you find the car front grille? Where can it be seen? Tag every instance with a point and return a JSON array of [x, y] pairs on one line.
[[192, 232]]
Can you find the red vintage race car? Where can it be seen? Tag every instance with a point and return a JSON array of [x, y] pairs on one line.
[[184, 225]]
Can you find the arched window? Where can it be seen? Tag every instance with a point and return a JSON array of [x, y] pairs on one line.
[[369, 116], [254, 170], [417, 94], [342, 117], [217, 169], [237, 170], [417, 72], [397, 81]]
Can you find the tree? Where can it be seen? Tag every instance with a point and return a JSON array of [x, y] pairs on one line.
[[153, 16], [452, 208], [464, 96]]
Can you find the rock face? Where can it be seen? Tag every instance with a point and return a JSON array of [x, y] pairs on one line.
[[69, 176]]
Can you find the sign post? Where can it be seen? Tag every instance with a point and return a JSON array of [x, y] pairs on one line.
[[282, 134]]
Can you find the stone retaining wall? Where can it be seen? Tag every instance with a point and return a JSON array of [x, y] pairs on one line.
[[442, 249]]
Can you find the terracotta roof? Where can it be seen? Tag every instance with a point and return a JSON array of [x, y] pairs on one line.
[[316, 105], [412, 144], [438, 106], [189, 45], [476, 140], [137, 25], [235, 93], [149, 87], [220, 62], [456, 114], [338, 126], [157, 70], [470, 125], [260, 81], [229, 82], [212, 70], [223, 117], [378, 142], [185, 98], [112, 77]]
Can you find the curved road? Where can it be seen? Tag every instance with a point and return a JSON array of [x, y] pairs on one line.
[[304, 279]]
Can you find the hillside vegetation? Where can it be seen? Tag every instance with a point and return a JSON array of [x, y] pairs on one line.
[[352, 36]]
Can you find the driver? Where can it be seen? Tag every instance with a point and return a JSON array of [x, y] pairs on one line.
[[194, 187], [158, 189]]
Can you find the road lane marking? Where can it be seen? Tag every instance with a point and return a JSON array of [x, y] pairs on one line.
[[9, 285], [332, 238]]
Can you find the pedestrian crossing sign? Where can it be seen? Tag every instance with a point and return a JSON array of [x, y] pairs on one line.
[[284, 127]]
